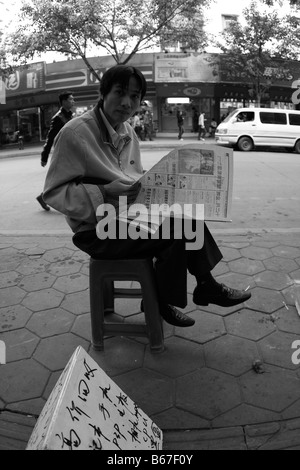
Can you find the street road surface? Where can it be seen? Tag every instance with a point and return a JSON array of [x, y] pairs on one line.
[[266, 193]]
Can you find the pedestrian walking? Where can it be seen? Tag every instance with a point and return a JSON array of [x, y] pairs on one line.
[[148, 125], [201, 126], [180, 123], [96, 160], [65, 114]]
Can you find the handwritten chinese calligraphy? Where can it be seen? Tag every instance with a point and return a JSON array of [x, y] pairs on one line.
[[89, 411]]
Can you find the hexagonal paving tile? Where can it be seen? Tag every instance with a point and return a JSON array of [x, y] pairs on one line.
[[139, 385], [80, 256], [295, 275], [236, 280], [265, 300], [11, 296], [265, 243], [50, 322], [274, 390], [63, 268], [38, 281], [10, 278], [54, 352], [179, 358], [207, 327], [174, 418], [288, 320], [20, 344], [290, 294], [256, 252], [244, 415], [82, 326], [273, 280], [127, 307], [207, 392], [77, 302], [277, 349], [246, 266], [249, 324], [71, 283], [13, 317], [58, 254], [286, 251], [43, 300], [230, 354], [276, 263], [10, 260], [120, 355], [219, 269], [230, 254], [22, 380], [32, 266]]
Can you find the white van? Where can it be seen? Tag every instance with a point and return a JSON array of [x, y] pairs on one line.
[[247, 128]]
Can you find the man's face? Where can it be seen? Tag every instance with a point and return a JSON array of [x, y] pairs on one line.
[[119, 104], [69, 103]]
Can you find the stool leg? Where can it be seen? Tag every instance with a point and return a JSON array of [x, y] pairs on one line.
[[108, 294], [97, 285]]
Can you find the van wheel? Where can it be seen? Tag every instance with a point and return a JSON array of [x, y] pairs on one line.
[[297, 146], [245, 144]]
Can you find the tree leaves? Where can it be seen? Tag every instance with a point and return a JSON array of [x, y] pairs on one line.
[[119, 27]]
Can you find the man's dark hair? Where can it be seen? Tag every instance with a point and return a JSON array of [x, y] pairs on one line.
[[64, 96], [121, 74]]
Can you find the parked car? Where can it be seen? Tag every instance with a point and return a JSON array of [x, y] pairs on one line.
[[247, 128]]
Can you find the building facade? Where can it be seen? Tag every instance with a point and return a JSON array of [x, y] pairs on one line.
[[191, 82]]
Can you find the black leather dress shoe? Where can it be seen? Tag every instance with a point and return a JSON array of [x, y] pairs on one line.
[[219, 295], [42, 203], [173, 316]]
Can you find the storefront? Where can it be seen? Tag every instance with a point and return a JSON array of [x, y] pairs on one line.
[[191, 98], [21, 111], [190, 82]]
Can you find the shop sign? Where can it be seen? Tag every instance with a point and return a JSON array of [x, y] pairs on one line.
[[66, 80], [192, 91], [190, 67], [25, 79]]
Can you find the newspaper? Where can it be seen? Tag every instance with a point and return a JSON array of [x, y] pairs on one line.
[[191, 174]]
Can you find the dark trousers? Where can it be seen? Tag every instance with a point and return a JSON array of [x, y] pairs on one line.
[[180, 131], [172, 259]]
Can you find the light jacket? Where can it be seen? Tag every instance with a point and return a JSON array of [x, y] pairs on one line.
[[84, 149]]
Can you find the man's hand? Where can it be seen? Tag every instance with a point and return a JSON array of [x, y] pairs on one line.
[[43, 163]]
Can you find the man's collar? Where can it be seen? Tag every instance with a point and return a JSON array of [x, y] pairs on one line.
[[117, 136]]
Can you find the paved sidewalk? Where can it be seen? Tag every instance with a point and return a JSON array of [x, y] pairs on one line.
[[203, 391]]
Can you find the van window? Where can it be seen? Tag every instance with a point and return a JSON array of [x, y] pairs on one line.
[[245, 116], [272, 118], [294, 119]]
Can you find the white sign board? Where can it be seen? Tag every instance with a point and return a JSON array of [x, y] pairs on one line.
[[88, 411]]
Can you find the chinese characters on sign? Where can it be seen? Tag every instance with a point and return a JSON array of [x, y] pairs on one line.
[[88, 411], [23, 80]]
